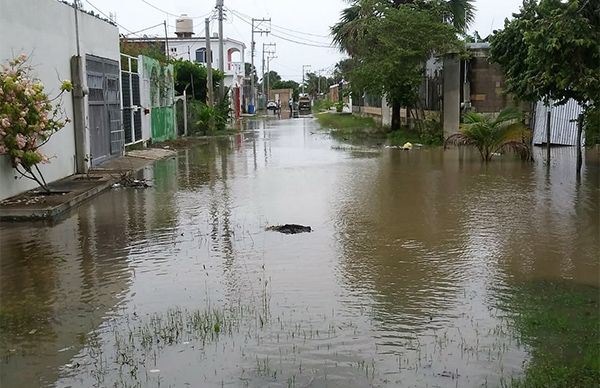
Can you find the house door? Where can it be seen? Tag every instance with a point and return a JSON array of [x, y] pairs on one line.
[[104, 107]]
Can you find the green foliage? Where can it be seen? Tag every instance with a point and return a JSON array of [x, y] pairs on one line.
[[592, 126], [322, 105], [148, 49], [272, 77], [28, 118], [345, 121], [494, 134], [295, 86], [432, 133], [390, 46], [551, 50], [316, 84], [208, 120], [559, 322], [192, 76]]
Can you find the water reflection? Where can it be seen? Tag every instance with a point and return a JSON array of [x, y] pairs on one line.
[[59, 282], [398, 285]]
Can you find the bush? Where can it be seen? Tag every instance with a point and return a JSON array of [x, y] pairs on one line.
[[208, 120], [28, 117], [322, 105], [592, 126]]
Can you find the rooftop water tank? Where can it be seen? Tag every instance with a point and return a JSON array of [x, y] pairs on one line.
[[184, 26]]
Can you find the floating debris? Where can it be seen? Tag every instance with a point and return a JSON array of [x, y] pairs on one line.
[[126, 180], [290, 229]]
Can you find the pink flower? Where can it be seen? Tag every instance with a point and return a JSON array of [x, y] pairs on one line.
[[45, 159], [5, 122], [21, 141], [2, 149]]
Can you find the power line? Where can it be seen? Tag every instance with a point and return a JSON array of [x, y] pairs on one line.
[[291, 37], [289, 29], [146, 29], [109, 18], [172, 14], [282, 37]]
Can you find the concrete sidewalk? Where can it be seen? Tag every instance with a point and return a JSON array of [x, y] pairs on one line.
[[69, 192]]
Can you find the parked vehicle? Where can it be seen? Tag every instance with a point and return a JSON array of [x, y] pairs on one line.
[[304, 105], [272, 105]]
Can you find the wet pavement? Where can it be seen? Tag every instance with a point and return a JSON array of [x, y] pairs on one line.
[[399, 283]]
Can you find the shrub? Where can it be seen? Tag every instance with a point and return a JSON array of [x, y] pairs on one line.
[[28, 118]]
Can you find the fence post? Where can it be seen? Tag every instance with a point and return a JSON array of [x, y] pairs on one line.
[[185, 125]]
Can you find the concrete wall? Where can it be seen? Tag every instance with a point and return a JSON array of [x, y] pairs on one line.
[[283, 96], [157, 92], [451, 94], [486, 84], [45, 31]]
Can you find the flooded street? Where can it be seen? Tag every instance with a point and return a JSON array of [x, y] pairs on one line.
[[403, 281]]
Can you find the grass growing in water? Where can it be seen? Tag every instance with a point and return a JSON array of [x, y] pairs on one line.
[[346, 122], [560, 322]]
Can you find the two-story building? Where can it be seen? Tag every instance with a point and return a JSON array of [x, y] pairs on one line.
[[185, 45]]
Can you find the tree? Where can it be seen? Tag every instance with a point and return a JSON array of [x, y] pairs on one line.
[[192, 77], [551, 51], [28, 118], [390, 41], [316, 84], [393, 50], [492, 135], [295, 86], [271, 78]]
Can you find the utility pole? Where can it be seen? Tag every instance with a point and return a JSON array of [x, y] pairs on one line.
[[268, 53], [166, 39], [304, 67], [221, 57], [257, 27], [268, 72], [209, 77]]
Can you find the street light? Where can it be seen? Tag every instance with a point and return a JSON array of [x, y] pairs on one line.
[[303, 71]]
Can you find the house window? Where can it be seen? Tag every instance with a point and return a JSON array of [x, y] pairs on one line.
[[201, 55]]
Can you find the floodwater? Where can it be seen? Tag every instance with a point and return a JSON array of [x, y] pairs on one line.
[[399, 284]]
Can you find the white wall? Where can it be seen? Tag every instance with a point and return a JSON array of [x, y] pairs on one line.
[[45, 31]]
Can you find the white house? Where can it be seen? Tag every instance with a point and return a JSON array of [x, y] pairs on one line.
[[47, 32], [188, 47]]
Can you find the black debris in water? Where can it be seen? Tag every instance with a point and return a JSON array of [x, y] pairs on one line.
[[290, 229]]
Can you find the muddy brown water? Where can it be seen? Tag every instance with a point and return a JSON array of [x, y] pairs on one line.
[[399, 283]]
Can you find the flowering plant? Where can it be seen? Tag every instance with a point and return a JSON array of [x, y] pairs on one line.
[[28, 117]]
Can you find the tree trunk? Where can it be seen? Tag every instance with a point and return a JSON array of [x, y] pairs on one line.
[[396, 115]]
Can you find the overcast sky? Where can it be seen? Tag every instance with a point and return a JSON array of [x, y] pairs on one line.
[[306, 21]]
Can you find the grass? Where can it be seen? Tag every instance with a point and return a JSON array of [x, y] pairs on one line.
[[349, 126], [346, 122], [561, 324]]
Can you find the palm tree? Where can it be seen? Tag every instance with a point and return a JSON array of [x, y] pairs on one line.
[[492, 135], [351, 26]]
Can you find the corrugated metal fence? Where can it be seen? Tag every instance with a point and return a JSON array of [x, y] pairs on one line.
[[563, 124]]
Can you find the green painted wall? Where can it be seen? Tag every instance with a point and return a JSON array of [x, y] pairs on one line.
[[162, 89], [163, 124]]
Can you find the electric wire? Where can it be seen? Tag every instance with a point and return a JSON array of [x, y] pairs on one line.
[[172, 14], [287, 29], [109, 18], [282, 37]]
